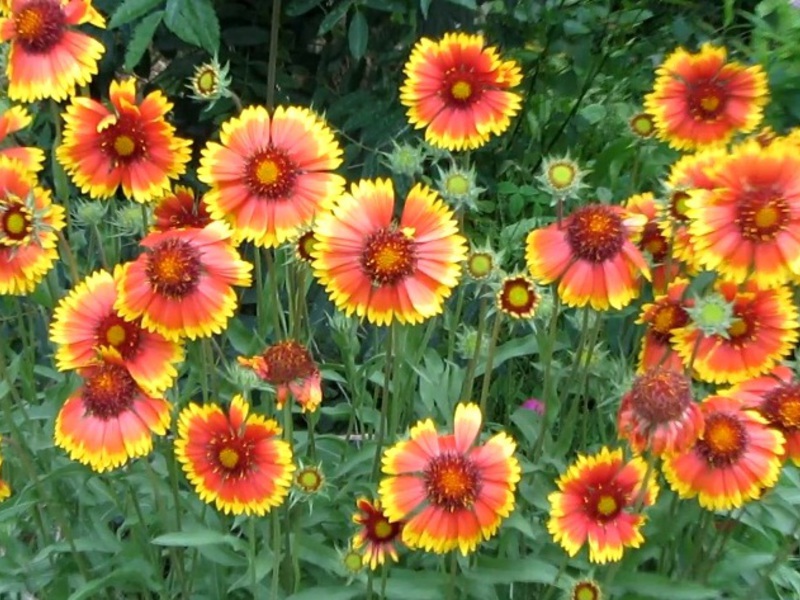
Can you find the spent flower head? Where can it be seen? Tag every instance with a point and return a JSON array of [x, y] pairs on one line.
[[405, 159], [89, 213]]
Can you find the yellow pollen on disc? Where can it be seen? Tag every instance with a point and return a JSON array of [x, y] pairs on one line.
[[722, 437], [383, 529], [461, 90], [709, 103], [598, 223], [267, 172], [387, 258], [115, 335], [518, 296], [104, 383], [453, 483], [766, 216], [606, 505], [124, 145], [15, 224], [738, 328], [29, 23], [664, 319], [789, 412], [229, 458]]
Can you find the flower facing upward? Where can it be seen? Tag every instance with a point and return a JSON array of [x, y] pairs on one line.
[[744, 227], [737, 456], [29, 226], [237, 460], [595, 501], [110, 419], [642, 125], [517, 297], [593, 255], [665, 314], [561, 176], [271, 174], [377, 534], [130, 146], [85, 321], [762, 330], [776, 397], [586, 589], [11, 121], [309, 479], [387, 271], [658, 413], [179, 210], [48, 58], [702, 99], [181, 285], [451, 493], [289, 367], [457, 88]]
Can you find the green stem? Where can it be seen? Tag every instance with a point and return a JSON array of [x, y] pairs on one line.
[[451, 581], [469, 378], [384, 418], [272, 61], [548, 394], [553, 586], [487, 373], [251, 534], [261, 306], [456, 319], [274, 295], [276, 553]]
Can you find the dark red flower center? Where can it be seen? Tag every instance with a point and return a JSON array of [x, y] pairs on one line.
[[231, 455], [309, 479], [654, 242], [174, 268], [287, 361], [305, 244], [724, 439], [595, 233], [109, 391], [461, 87], [585, 590], [661, 395], [604, 502], [271, 174], [677, 205], [707, 101], [781, 407], [518, 296], [668, 315], [40, 25], [118, 333], [16, 225], [762, 214], [452, 481], [389, 256], [181, 211], [377, 528], [125, 140]]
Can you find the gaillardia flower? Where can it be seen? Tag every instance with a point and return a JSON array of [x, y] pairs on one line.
[[85, 321], [271, 174], [659, 414], [653, 242], [378, 535], [11, 121], [597, 500], [387, 271], [453, 494], [181, 285], [237, 460], [289, 367], [776, 397], [309, 479], [737, 457], [763, 330], [745, 226], [179, 210], [593, 254], [702, 99], [48, 57], [457, 88], [517, 297], [29, 226], [110, 419], [586, 589], [665, 314], [130, 146]]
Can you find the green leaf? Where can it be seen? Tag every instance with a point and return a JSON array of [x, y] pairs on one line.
[[333, 17], [130, 10], [649, 585], [424, 6], [464, 3], [195, 22], [358, 35], [301, 7], [195, 537], [329, 593], [141, 38], [506, 571]]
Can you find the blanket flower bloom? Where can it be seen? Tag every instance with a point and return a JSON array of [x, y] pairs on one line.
[[179, 209], [661, 317], [11, 121], [234, 460], [377, 534], [131, 145], [451, 493], [457, 88]]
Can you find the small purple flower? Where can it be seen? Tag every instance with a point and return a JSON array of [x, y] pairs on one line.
[[535, 405]]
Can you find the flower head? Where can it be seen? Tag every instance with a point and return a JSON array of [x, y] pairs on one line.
[[48, 56], [481, 264], [517, 297], [586, 589], [210, 82], [642, 125], [110, 418], [458, 187], [653, 241], [309, 479], [596, 502], [593, 255], [457, 89], [235, 459], [179, 209], [11, 121], [737, 457], [289, 367], [702, 99], [378, 535], [271, 173], [385, 270], [668, 312], [181, 286], [131, 145], [451, 493], [561, 176], [304, 246]]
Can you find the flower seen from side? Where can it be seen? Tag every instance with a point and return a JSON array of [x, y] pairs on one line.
[[661, 317], [181, 285], [49, 57], [385, 270], [129, 146], [234, 459], [270, 174], [180, 209], [451, 493], [11, 121], [457, 88], [597, 503], [377, 535], [737, 457]]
